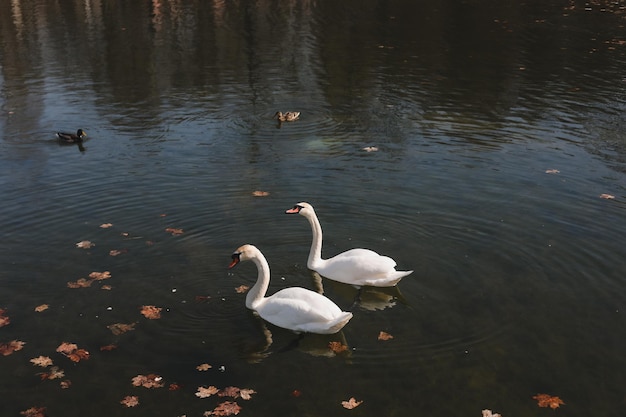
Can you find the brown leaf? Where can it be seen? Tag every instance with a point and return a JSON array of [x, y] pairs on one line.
[[119, 328], [85, 244], [34, 412], [78, 355], [41, 308], [226, 408], [43, 361], [151, 312], [174, 387], [260, 193], [99, 276], [174, 232], [489, 413], [246, 394], [229, 392], [80, 283], [4, 319], [108, 347], [106, 225], [337, 347], [117, 252], [351, 403], [206, 392], [130, 401], [148, 381], [545, 400], [13, 346], [106, 287], [203, 367], [384, 336], [67, 348], [55, 373], [242, 289], [66, 384]]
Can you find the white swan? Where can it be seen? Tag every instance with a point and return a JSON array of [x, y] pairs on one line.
[[293, 308], [356, 266]]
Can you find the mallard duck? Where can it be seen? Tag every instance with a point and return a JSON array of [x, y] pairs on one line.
[[71, 137], [288, 116]]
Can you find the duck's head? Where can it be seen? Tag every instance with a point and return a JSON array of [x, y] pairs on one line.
[[301, 208], [278, 115], [81, 133], [243, 253]]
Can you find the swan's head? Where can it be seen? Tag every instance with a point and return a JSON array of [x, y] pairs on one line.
[[243, 253], [301, 208]]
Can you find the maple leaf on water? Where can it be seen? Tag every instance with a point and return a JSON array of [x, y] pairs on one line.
[[227, 408], [174, 231], [229, 392], [351, 403], [148, 381], [130, 401], [80, 283], [545, 400], [246, 394], [106, 225], [85, 244], [489, 413], [99, 276], [65, 384], [206, 392], [259, 193], [337, 347], [174, 387], [13, 346], [55, 373], [41, 308], [67, 348], [43, 361], [384, 336], [73, 352], [34, 412], [119, 328], [241, 289], [151, 312], [4, 319], [203, 367]]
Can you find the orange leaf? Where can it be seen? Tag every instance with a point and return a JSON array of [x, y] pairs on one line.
[[41, 308], [13, 346], [130, 401], [337, 347], [241, 289], [119, 328], [384, 336], [108, 347], [260, 193], [43, 361], [545, 400], [151, 312], [203, 367], [174, 231], [351, 403], [34, 412], [206, 392], [226, 408]]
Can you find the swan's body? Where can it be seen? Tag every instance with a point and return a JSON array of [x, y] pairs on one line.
[[293, 308], [288, 116], [356, 266]]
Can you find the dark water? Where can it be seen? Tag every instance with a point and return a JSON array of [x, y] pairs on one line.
[[519, 274]]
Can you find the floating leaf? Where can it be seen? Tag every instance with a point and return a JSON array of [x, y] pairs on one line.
[[260, 193], [13, 346], [174, 232], [489, 413], [226, 408], [246, 394], [4, 319], [242, 288], [337, 347], [174, 387], [552, 171], [55, 373], [43, 361], [384, 336], [85, 244], [73, 352], [34, 412], [106, 287], [370, 149], [545, 400], [99, 276], [106, 225], [80, 283], [203, 367], [229, 392], [67, 348], [117, 252], [119, 328], [148, 381], [108, 348], [607, 196], [65, 384], [130, 401], [151, 312], [351, 403], [206, 392], [41, 308]]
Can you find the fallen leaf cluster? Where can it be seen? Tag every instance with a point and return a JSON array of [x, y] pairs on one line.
[[54, 373], [120, 328], [93, 277], [4, 319], [13, 346], [545, 400], [72, 351], [227, 408], [151, 312], [148, 381]]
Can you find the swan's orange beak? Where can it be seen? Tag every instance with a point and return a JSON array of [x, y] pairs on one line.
[[235, 260], [293, 210]]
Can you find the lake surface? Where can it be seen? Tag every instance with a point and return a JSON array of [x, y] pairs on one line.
[[498, 174]]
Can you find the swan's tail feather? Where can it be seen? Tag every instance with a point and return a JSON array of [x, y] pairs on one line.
[[389, 280], [339, 322]]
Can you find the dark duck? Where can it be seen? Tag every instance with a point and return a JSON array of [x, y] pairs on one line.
[[71, 137]]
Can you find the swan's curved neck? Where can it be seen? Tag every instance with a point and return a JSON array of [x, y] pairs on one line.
[[315, 254], [257, 292]]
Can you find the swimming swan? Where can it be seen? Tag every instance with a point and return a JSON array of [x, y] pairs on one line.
[[293, 308], [356, 266]]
